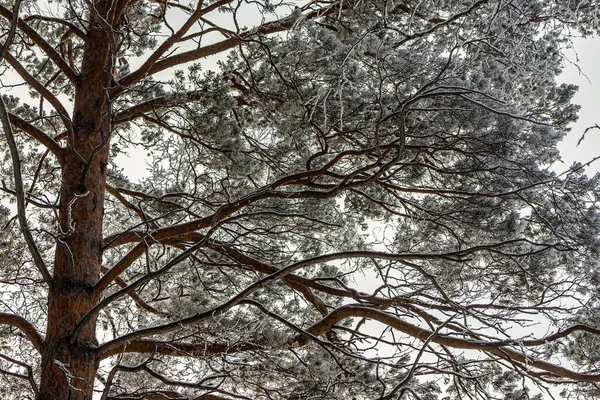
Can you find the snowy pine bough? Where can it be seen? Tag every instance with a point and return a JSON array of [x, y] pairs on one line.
[[343, 199]]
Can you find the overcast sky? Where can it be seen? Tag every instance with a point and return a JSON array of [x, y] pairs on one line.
[[582, 69], [587, 56]]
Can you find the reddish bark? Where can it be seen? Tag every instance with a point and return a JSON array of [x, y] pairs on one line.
[[69, 366]]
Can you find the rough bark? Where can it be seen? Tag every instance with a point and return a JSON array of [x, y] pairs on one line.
[[69, 366]]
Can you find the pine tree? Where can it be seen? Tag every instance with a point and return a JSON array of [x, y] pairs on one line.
[[343, 199]]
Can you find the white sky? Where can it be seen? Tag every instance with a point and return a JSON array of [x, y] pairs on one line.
[[587, 56], [582, 69]]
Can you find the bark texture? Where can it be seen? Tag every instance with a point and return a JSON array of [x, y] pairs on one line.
[[68, 366]]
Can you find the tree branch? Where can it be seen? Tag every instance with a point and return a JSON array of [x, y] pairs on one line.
[[14, 152], [222, 212], [498, 349], [457, 256], [265, 192], [24, 326], [280, 25], [42, 90], [20, 193], [29, 199], [136, 298], [165, 233], [30, 376], [167, 348], [150, 62], [72, 28], [159, 102], [42, 44], [235, 300], [38, 135]]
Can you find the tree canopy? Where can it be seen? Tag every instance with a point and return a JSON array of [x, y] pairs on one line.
[[343, 200]]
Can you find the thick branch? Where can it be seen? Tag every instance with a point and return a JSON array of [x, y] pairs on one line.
[[41, 89], [497, 349], [14, 153], [24, 326], [159, 102], [327, 323], [227, 44], [150, 62], [38, 135], [237, 299], [72, 28], [165, 348], [42, 44]]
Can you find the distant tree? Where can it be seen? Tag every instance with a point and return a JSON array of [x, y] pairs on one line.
[[359, 202]]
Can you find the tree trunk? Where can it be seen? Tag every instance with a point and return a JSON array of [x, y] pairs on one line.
[[68, 369]]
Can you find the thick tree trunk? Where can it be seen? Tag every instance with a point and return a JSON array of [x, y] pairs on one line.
[[68, 369]]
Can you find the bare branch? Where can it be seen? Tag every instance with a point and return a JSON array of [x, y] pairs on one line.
[[157, 103], [38, 135], [496, 349], [237, 299], [14, 152], [280, 25], [30, 377], [170, 348], [146, 67], [45, 46], [24, 326], [73, 29], [136, 298], [41, 89]]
